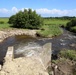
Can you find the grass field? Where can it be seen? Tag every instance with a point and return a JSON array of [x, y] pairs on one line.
[[49, 29], [5, 20], [5, 24], [55, 22]]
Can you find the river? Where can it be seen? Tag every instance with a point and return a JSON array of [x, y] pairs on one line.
[[22, 44]]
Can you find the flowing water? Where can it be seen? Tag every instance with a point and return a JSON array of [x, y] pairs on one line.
[[26, 45], [65, 41]]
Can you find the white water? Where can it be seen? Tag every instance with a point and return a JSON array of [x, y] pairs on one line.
[[28, 49]]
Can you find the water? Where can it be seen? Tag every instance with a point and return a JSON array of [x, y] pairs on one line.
[[23, 46], [26, 46], [65, 41]]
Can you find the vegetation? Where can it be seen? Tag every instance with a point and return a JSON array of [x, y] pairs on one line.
[[49, 27], [4, 23], [65, 54], [1, 22], [55, 21], [71, 25], [61, 18], [66, 59], [4, 19], [26, 19], [49, 31], [70, 54]]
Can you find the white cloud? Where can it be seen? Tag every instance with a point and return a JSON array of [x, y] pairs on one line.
[[53, 11], [14, 9], [4, 10], [42, 11]]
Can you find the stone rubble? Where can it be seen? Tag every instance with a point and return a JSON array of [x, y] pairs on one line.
[[7, 33]]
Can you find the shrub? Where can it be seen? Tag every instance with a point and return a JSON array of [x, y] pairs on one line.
[[73, 29], [26, 19], [1, 22], [71, 24]]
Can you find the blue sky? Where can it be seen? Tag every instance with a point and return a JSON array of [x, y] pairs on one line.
[[43, 7]]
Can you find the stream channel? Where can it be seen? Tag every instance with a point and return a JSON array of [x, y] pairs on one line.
[[23, 44]]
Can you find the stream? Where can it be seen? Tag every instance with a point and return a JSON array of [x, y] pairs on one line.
[[23, 44]]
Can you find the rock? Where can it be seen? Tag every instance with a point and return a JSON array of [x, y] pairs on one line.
[[73, 45], [0, 67], [8, 33]]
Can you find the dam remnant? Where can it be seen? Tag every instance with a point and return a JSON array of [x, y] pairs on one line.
[[43, 55]]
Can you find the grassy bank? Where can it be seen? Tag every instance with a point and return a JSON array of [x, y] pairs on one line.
[[50, 31], [73, 29], [66, 62], [51, 27]]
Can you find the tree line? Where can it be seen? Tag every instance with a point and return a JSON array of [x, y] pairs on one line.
[[62, 18]]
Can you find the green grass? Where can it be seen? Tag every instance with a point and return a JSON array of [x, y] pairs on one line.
[[51, 27], [5, 25], [55, 22], [70, 54], [50, 31], [5, 20]]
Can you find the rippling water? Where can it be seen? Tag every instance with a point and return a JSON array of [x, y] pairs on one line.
[[66, 41], [24, 45]]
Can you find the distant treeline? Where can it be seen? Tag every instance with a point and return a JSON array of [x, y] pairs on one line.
[[62, 18]]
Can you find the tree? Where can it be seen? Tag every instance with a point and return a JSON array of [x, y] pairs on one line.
[[26, 19], [11, 19]]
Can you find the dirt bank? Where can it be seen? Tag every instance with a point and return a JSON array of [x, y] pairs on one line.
[[12, 32], [64, 67]]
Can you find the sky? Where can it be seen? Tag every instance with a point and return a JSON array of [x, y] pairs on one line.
[[46, 8]]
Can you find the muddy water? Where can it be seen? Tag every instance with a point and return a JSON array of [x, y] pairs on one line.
[[23, 44]]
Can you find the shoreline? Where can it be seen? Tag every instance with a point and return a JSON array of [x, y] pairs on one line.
[[12, 32]]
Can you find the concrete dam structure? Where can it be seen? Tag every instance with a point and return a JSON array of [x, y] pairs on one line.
[[36, 62]]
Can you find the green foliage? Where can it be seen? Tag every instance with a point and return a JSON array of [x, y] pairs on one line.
[[73, 29], [71, 25], [70, 54], [11, 19], [1, 22], [26, 19]]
